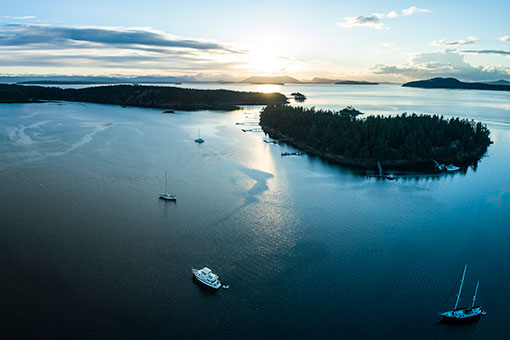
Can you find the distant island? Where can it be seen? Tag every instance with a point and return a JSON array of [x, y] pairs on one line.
[[498, 82], [355, 82], [56, 79], [452, 83], [403, 141], [92, 80], [163, 97], [282, 80]]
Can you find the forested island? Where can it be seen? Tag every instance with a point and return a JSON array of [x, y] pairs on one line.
[[403, 141], [164, 97], [452, 83]]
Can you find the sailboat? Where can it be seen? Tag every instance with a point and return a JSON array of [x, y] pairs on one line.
[[166, 195], [199, 140], [464, 314]]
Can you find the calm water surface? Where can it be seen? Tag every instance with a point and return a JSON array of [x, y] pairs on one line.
[[310, 249]]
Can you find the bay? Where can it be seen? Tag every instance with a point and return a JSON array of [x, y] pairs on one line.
[[310, 249]]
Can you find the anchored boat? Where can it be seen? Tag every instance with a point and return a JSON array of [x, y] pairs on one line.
[[166, 195], [199, 140], [466, 314], [207, 277]]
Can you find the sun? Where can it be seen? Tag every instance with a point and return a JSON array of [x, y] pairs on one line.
[[265, 62]]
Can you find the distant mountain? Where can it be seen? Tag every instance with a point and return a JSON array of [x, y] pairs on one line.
[[452, 83], [497, 82], [317, 80], [355, 82], [271, 80], [94, 80]]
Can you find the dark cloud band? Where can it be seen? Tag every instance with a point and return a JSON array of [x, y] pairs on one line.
[[19, 35]]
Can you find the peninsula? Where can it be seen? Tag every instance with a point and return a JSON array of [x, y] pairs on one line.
[[163, 97], [452, 83], [403, 141]]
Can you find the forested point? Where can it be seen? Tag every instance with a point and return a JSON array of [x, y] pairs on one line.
[[142, 96], [400, 140]]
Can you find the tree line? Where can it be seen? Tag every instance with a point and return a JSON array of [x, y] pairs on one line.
[[405, 137], [143, 96]]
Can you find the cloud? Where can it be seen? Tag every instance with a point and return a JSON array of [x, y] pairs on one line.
[[374, 20], [413, 10], [26, 17], [505, 38], [360, 21], [499, 52], [391, 14], [442, 64], [116, 50], [104, 50], [18, 35], [468, 41]]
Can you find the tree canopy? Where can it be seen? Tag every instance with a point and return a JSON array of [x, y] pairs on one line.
[[405, 137], [143, 96]]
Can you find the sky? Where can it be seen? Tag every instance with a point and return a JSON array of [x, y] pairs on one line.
[[231, 40]]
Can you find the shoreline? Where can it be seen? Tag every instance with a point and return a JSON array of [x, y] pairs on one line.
[[402, 165], [157, 97]]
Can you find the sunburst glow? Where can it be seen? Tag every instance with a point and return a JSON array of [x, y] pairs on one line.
[[269, 88]]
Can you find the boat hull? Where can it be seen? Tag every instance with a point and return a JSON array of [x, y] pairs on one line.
[[463, 315], [168, 197], [468, 319], [206, 285]]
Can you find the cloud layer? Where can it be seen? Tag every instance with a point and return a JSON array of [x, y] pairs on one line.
[[374, 20], [413, 10], [498, 52], [468, 41], [359, 21], [442, 64], [18, 35], [110, 50]]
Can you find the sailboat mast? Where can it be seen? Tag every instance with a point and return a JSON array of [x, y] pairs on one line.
[[460, 289], [474, 296], [165, 182]]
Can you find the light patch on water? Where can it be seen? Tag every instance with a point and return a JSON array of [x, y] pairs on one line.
[[18, 136], [35, 143], [98, 126], [502, 198]]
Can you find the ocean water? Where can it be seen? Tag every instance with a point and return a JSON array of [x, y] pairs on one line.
[[310, 249]]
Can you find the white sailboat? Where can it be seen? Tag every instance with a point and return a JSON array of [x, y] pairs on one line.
[[199, 140], [166, 195], [464, 314]]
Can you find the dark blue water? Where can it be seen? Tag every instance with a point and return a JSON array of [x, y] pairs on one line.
[[310, 249]]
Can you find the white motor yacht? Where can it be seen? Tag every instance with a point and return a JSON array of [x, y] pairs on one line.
[[207, 277]]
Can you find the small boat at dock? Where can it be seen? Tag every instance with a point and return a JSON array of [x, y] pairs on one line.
[[448, 168], [451, 168], [291, 153]]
